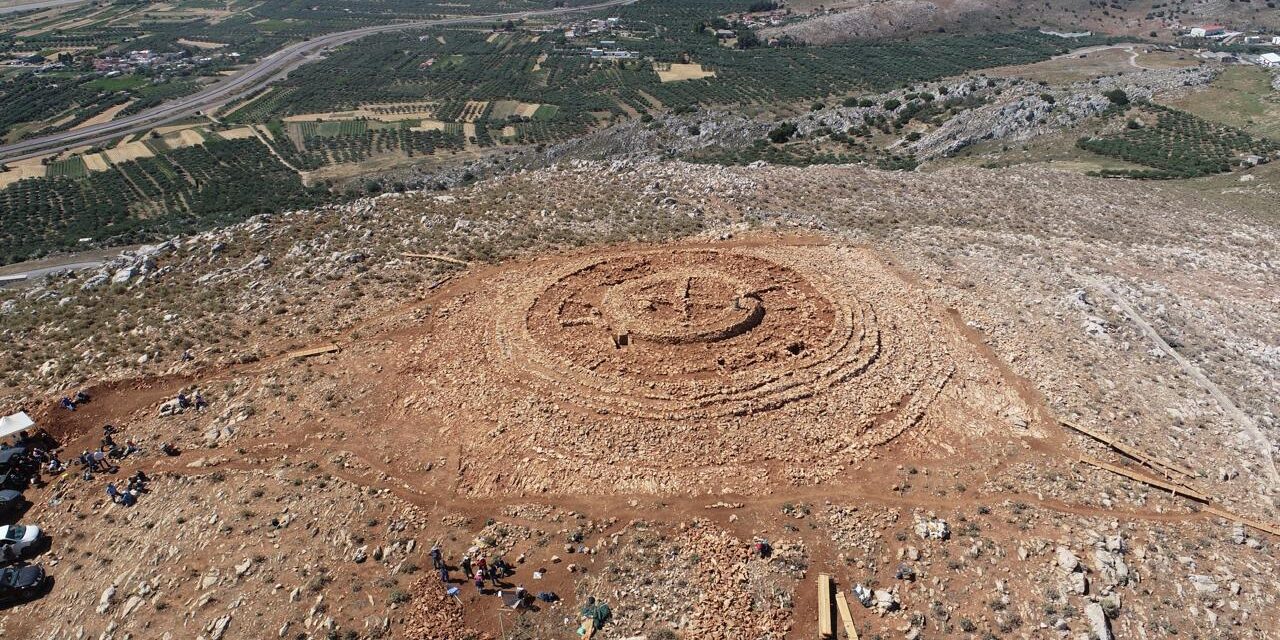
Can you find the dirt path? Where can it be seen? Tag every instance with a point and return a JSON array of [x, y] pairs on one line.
[[1229, 408], [258, 134]]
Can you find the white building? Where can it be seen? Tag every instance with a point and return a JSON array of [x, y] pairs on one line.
[[1275, 40], [1271, 60], [1207, 30]]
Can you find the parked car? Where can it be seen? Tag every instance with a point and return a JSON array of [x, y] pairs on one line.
[[17, 539], [10, 501], [12, 457], [15, 480], [20, 584]]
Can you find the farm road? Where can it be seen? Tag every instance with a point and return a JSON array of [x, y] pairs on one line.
[[254, 76]]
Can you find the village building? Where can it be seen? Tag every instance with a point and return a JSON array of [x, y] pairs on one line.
[[1208, 31]]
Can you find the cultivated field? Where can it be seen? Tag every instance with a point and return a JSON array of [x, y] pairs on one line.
[[675, 72], [1241, 97], [127, 151], [20, 170]]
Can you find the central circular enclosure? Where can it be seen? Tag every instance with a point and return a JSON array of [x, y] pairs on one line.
[[681, 333], [677, 307]]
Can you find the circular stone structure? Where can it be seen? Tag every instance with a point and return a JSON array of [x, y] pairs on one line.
[[687, 334], [692, 365], [677, 308]]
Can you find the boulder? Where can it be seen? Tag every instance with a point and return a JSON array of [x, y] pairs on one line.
[[107, 598], [1067, 561], [1204, 585], [124, 275], [933, 529], [1098, 626]]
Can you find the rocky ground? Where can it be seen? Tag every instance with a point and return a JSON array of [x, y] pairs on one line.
[[859, 19], [1145, 311], [983, 109]]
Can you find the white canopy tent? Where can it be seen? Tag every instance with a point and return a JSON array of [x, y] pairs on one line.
[[10, 425]]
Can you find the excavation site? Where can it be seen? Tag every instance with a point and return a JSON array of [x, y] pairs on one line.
[[744, 368], [780, 403]]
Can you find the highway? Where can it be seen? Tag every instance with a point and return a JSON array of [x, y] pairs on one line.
[[32, 6], [28, 276], [260, 73]]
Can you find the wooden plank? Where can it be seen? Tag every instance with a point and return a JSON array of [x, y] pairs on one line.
[[1248, 522], [316, 351], [1158, 463], [1176, 489], [826, 626], [1167, 467], [436, 257], [1182, 490], [846, 616]]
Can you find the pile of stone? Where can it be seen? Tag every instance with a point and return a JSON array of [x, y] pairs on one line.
[[932, 529], [727, 606], [703, 583], [436, 615]]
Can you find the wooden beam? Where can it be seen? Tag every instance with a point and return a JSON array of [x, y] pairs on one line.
[[314, 351], [826, 626], [1260, 526], [436, 257], [1176, 489], [1161, 464], [846, 616]]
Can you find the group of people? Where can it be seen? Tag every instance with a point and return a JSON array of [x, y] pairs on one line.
[[34, 454], [478, 570], [135, 485], [193, 401], [492, 570], [102, 459], [70, 403]]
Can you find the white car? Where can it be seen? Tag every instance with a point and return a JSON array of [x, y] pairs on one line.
[[15, 539]]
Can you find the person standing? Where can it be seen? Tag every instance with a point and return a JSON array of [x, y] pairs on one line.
[[100, 460]]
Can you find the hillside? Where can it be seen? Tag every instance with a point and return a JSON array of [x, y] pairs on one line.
[[859, 19], [637, 324], [305, 498]]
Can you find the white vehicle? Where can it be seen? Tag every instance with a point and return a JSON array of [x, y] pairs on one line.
[[15, 539]]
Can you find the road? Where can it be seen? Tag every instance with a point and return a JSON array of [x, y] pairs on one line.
[[28, 276], [32, 6], [258, 74]]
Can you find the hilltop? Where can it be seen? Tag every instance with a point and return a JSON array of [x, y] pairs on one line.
[[306, 496]]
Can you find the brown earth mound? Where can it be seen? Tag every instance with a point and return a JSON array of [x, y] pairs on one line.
[[688, 367]]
